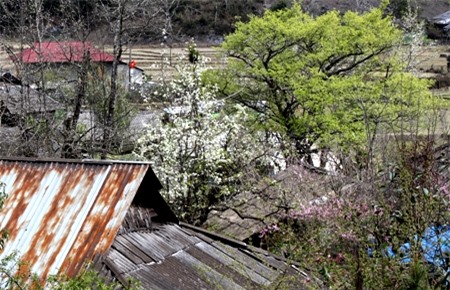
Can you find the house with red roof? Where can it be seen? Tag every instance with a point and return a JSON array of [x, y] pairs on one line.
[[63, 57], [63, 52]]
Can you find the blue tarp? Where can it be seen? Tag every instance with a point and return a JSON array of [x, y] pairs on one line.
[[435, 246]]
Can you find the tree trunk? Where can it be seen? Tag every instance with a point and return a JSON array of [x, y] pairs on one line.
[[110, 113], [70, 143]]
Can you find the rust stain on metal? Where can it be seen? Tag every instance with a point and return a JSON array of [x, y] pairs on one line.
[[19, 201], [111, 194], [60, 213], [45, 236]]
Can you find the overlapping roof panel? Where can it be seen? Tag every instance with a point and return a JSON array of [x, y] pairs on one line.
[[61, 213], [171, 256]]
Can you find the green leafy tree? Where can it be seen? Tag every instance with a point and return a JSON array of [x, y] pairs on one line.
[[330, 80]]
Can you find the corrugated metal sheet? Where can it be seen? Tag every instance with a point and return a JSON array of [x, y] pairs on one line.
[[60, 213]]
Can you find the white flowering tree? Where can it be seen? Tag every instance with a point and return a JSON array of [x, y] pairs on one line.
[[203, 149]]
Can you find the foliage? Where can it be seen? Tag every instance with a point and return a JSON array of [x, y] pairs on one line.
[[88, 279], [328, 80], [96, 91], [4, 234], [280, 4], [200, 18], [390, 232], [15, 274], [400, 8], [193, 52], [179, 17], [202, 148], [72, 82]]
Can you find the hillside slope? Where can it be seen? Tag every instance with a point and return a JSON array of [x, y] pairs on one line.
[[427, 8]]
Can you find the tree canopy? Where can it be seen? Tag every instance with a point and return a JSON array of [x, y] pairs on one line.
[[320, 80]]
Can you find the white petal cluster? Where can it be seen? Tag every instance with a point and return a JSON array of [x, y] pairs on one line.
[[199, 149]]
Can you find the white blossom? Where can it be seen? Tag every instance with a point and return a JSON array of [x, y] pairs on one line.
[[200, 152]]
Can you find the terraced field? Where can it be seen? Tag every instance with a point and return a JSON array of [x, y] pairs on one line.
[[5, 60], [156, 62], [160, 62]]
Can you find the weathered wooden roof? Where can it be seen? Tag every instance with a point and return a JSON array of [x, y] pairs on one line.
[[25, 100], [61, 213], [249, 212], [442, 19], [171, 256]]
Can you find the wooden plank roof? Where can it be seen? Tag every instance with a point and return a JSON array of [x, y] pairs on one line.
[[171, 256]]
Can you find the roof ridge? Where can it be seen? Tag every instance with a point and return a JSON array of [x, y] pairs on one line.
[[81, 161]]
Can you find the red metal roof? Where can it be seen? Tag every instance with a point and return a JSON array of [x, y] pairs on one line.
[[61, 52], [61, 213]]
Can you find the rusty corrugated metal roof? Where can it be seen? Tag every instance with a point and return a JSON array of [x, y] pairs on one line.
[[60, 213]]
